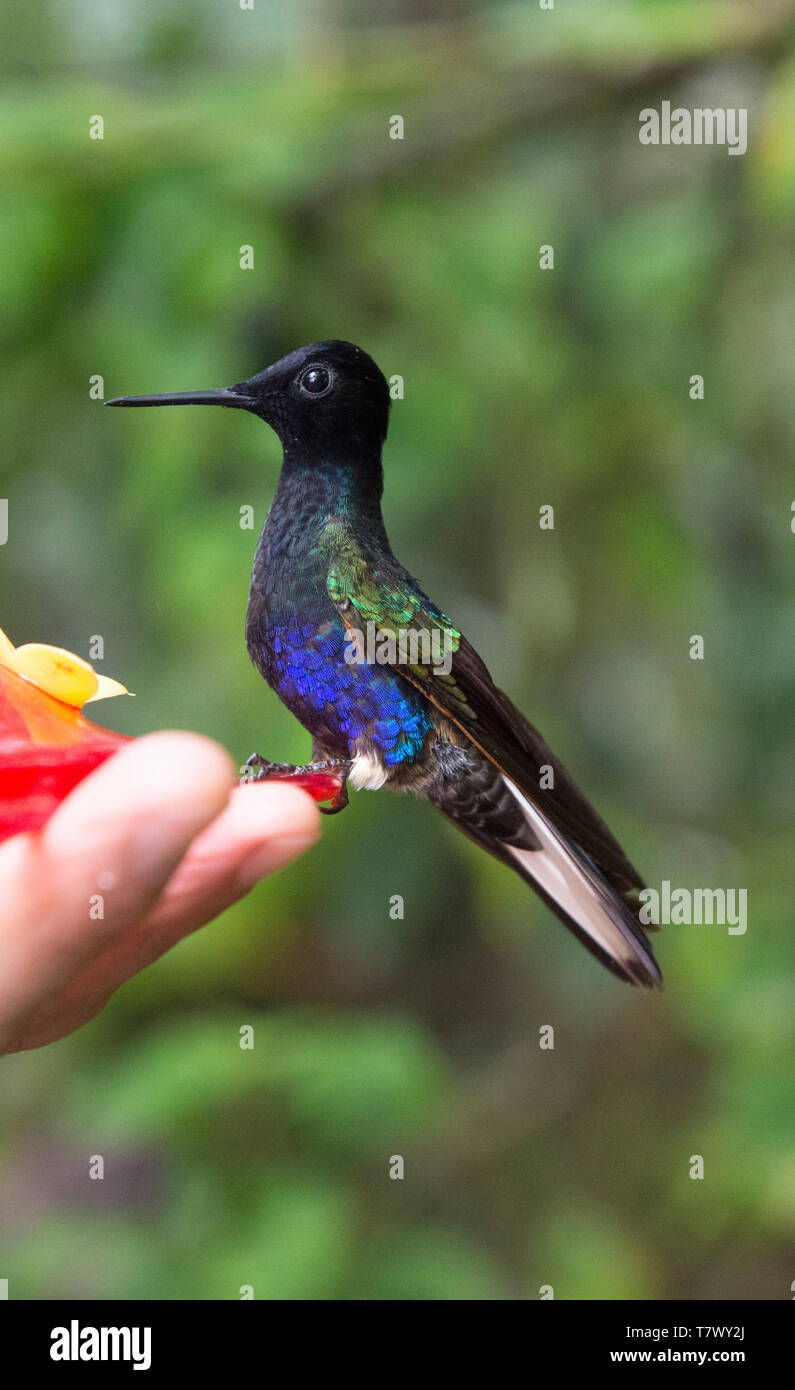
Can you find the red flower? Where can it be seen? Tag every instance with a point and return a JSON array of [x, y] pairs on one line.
[[46, 746]]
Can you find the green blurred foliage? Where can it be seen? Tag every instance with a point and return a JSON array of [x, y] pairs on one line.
[[523, 387]]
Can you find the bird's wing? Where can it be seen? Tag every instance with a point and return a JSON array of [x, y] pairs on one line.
[[573, 840], [363, 592]]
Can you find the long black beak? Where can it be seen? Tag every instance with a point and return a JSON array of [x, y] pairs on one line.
[[224, 396]]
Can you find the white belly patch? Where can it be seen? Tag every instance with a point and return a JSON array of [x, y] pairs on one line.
[[368, 772]]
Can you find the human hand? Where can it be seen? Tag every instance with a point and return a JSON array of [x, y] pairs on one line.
[[161, 840]]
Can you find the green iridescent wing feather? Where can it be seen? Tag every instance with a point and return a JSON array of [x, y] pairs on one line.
[[379, 591]]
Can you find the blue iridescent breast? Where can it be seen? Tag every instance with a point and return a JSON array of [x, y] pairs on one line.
[[305, 663]]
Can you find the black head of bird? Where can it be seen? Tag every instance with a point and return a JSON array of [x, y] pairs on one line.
[[326, 396]]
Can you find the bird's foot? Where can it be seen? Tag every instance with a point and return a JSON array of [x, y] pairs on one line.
[[325, 781], [257, 769]]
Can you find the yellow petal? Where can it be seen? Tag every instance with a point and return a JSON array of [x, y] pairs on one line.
[[107, 689], [6, 648], [60, 673]]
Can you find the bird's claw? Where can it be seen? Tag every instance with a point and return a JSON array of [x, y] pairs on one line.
[[338, 803], [264, 769], [324, 781]]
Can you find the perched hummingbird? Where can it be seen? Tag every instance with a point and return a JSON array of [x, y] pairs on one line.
[[424, 716]]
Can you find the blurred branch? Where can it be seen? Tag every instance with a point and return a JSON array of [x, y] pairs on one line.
[[460, 85]]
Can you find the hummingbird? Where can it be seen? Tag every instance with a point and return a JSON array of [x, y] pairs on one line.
[[390, 690]]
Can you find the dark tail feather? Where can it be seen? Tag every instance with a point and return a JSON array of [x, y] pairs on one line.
[[561, 873]]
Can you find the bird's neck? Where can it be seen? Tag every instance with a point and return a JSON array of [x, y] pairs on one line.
[[311, 490]]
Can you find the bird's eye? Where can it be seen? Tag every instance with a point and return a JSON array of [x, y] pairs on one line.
[[316, 381]]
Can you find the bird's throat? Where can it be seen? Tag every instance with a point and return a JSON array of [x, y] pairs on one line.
[[312, 490]]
